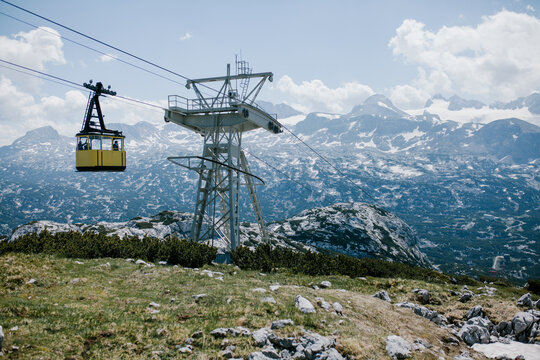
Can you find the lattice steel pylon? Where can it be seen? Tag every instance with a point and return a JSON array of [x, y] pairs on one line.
[[222, 120]]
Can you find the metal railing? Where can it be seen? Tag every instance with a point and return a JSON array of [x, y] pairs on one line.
[[177, 101]]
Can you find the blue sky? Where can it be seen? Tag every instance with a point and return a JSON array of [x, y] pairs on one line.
[[325, 55]]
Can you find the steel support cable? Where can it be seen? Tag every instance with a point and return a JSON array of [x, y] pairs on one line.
[[38, 76], [90, 48], [74, 84], [105, 44], [328, 162]]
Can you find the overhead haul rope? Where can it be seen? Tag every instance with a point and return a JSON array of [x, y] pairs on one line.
[[90, 48], [106, 44], [70, 83]]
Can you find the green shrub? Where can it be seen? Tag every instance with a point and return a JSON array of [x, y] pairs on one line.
[[144, 225], [533, 285], [266, 258], [93, 245]]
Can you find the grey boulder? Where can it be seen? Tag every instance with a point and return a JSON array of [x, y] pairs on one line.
[[303, 304], [383, 295], [473, 334], [397, 347]]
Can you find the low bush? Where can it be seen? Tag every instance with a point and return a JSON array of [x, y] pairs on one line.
[[92, 245], [533, 285], [265, 258]]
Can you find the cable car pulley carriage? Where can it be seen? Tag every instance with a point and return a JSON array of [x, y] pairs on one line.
[[99, 148]]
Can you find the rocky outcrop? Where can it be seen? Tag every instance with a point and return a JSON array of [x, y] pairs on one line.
[[383, 295], [431, 315], [308, 346]]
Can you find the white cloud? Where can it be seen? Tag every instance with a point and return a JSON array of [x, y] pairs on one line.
[[108, 57], [32, 49], [314, 95], [496, 60], [185, 36], [21, 112], [530, 8], [408, 97]]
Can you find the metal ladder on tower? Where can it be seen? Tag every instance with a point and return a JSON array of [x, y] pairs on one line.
[[242, 68]]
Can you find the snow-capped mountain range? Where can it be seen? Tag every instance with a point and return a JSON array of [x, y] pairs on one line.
[[471, 190]]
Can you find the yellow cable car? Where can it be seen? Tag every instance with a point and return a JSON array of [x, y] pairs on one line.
[[98, 148]]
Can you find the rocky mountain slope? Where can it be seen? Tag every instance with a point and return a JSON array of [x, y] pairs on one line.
[[355, 229], [470, 190]]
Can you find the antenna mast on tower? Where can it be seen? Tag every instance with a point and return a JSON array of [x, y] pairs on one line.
[[221, 120]]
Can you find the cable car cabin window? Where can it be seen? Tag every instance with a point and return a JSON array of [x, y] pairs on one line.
[[106, 143], [118, 144], [95, 142], [82, 143]]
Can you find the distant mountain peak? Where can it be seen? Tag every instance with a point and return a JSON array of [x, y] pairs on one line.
[[378, 105], [455, 102]]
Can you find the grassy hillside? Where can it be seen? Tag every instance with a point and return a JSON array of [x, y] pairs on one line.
[[100, 309]]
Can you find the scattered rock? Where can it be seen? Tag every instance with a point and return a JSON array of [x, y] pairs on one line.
[[219, 332], [264, 355], [282, 342], [397, 347], [473, 334], [141, 262], [259, 290], [303, 304], [162, 262], [431, 315], [383, 295], [188, 349], [421, 345], [1, 338], [197, 334], [161, 332], [504, 328], [154, 305], [330, 354], [521, 322], [464, 356], [465, 297], [223, 332], [274, 287], [325, 284], [227, 354], [338, 308], [322, 303], [478, 310], [130, 260], [15, 328], [525, 301], [31, 282], [261, 336], [199, 296], [422, 295], [278, 324], [480, 321], [269, 300], [74, 281], [79, 262]]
